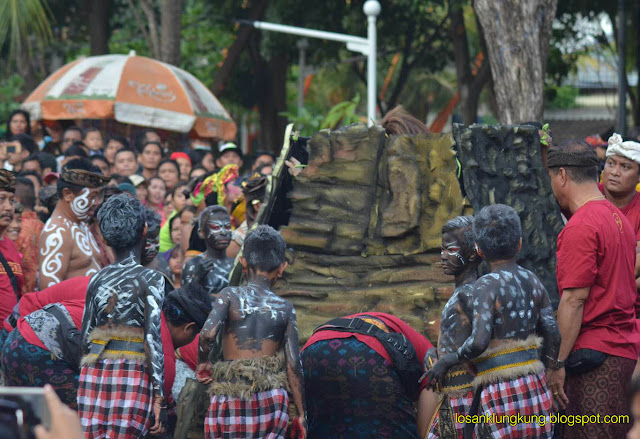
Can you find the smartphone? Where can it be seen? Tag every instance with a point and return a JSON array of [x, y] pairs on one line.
[[11, 149], [21, 409]]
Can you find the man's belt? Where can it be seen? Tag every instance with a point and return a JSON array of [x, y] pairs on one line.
[[506, 359], [126, 346], [459, 379]]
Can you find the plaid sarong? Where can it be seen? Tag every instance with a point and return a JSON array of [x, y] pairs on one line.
[[115, 399], [264, 415], [527, 395]]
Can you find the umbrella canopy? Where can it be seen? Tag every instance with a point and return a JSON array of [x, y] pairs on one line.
[[131, 89]]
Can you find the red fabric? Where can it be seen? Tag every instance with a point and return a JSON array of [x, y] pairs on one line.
[[263, 415], [115, 399], [75, 308], [27, 244], [189, 353], [169, 356], [596, 249], [7, 295], [631, 211], [419, 342], [180, 155]]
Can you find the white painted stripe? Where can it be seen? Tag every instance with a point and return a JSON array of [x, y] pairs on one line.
[[153, 117]]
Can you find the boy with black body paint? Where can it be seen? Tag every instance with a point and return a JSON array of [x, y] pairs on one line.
[[250, 327], [211, 268], [460, 259], [511, 310], [121, 386]]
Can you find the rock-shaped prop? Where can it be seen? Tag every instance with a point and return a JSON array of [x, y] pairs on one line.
[[365, 227], [503, 164]]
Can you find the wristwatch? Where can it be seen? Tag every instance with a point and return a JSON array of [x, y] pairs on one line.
[[555, 364]]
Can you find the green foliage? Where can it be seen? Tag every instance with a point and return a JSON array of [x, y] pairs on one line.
[[561, 97], [341, 114], [10, 89], [19, 21]]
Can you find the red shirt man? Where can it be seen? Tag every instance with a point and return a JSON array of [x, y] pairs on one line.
[[596, 249]]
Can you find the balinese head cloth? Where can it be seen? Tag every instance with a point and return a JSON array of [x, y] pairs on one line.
[[629, 149]]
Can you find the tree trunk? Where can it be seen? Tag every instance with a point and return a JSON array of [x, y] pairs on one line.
[[258, 8], [171, 28], [98, 11], [154, 35], [517, 35], [636, 114], [272, 99]]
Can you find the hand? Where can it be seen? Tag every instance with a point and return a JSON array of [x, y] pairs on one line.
[[430, 359], [203, 372], [436, 374], [555, 381], [160, 416], [204, 268], [65, 423], [298, 428], [3, 152], [294, 165]]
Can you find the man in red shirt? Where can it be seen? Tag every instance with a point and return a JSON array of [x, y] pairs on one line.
[[596, 314], [8, 292], [619, 180]]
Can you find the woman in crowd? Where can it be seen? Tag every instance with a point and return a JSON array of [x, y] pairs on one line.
[[354, 387], [156, 194], [114, 144], [13, 231], [179, 201], [169, 172], [184, 163], [18, 123], [202, 158]]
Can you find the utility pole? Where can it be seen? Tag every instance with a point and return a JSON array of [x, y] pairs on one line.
[[303, 45], [622, 89]]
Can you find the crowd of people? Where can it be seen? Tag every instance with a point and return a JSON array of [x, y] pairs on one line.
[[114, 291]]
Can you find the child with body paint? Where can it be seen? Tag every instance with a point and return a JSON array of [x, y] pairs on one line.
[[459, 259], [256, 334], [121, 386], [211, 268], [512, 319]]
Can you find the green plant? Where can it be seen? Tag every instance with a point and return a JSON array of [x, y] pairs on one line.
[[562, 97], [341, 114], [10, 88]]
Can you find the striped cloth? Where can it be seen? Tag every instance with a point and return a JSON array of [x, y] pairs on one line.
[[115, 399], [264, 415]]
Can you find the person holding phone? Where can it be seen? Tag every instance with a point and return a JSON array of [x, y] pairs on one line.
[[15, 150]]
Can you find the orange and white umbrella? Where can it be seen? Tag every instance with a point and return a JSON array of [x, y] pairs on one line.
[[131, 89]]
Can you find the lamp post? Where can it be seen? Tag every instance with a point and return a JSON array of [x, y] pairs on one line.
[[371, 9], [366, 46]]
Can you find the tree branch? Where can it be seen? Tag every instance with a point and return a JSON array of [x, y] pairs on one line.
[[140, 23], [147, 8]]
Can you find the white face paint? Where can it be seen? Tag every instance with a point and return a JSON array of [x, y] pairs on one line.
[[80, 205]]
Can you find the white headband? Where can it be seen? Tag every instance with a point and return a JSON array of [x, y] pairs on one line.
[[629, 149]]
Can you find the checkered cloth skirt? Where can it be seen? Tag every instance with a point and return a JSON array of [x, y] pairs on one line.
[[527, 395], [264, 415], [115, 399], [444, 425]]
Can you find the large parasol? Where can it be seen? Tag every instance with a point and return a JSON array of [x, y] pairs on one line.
[[134, 90]]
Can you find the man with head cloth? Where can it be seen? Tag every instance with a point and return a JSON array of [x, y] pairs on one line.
[[596, 315], [619, 180], [67, 247]]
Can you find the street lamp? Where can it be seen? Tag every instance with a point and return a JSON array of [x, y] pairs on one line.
[[366, 46]]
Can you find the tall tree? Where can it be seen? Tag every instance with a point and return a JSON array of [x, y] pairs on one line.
[[470, 85], [171, 29], [517, 35], [98, 18]]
